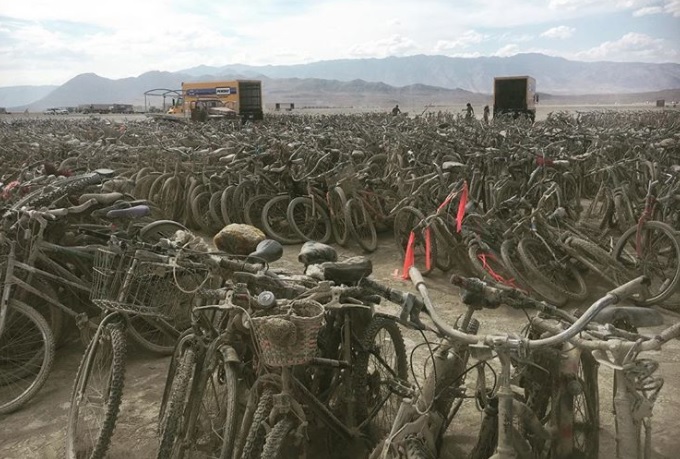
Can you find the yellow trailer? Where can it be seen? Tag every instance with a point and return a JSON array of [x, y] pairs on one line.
[[244, 97]]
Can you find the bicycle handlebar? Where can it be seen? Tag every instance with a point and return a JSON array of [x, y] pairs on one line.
[[493, 296]]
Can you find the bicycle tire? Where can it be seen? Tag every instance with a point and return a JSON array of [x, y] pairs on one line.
[[213, 418], [143, 185], [275, 221], [106, 350], [336, 209], [22, 322], [226, 204], [200, 208], [444, 259], [214, 208], [49, 194], [153, 232], [242, 193], [371, 372], [664, 244], [170, 426], [513, 263], [569, 282], [254, 207], [170, 198], [256, 431], [156, 187], [540, 391], [360, 225], [309, 220], [276, 440], [488, 265]]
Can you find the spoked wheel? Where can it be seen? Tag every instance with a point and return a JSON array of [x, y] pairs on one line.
[[336, 207], [275, 221], [556, 398], [360, 225], [561, 276], [652, 250], [153, 232], [26, 355], [216, 422], [381, 360], [254, 207], [309, 220], [281, 441], [97, 394]]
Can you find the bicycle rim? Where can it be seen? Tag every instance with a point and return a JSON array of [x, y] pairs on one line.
[[26, 355], [97, 395]]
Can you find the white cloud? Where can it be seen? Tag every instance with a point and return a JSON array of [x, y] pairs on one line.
[[464, 40], [632, 47], [395, 45], [648, 10], [508, 50], [560, 32]]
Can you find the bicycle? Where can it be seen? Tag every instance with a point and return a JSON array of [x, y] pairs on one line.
[[635, 386], [412, 432], [343, 387], [126, 281]]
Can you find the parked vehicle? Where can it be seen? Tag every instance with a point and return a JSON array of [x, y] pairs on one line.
[[515, 95], [244, 97]]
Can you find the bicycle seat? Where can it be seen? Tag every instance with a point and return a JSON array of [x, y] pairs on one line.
[[637, 316], [347, 272], [312, 253], [268, 250], [106, 173]]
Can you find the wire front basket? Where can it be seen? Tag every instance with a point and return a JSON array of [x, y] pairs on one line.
[[289, 336], [125, 283]]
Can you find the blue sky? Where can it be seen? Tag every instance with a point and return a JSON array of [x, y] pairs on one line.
[[49, 42]]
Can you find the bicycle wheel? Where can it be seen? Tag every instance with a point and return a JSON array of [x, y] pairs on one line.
[[652, 250], [214, 424], [155, 334], [360, 225], [513, 263], [97, 393], [381, 359], [253, 431], [275, 221], [215, 209], [280, 442], [171, 424], [26, 355], [561, 276], [309, 220], [556, 399], [254, 207], [336, 208], [153, 232], [227, 205]]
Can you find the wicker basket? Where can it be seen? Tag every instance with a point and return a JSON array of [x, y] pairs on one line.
[[289, 336], [134, 286]]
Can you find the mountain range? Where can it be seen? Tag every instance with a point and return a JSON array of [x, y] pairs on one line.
[[415, 80]]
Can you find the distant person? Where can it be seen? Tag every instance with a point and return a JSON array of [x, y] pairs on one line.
[[469, 111], [486, 114], [395, 110]]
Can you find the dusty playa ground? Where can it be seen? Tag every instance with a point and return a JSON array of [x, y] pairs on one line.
[[37, 431]]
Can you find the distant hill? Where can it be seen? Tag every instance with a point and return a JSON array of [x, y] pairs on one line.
[[13, 96], [89, 88], [554, 75]]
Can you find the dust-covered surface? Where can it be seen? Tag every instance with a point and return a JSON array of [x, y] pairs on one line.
[[37, 430]]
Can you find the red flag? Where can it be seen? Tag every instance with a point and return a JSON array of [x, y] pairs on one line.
[[461, 207], [409, 258]]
